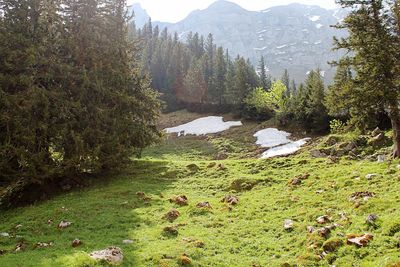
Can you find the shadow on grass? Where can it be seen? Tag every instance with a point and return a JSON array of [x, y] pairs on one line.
[[103, 215]]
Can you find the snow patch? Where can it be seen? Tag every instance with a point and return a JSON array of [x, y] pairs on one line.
[[261, 31], [266, 11], [314, 18], [281, 46], [202, 126], [260, 48], [318, 42], [319, 26], [277, 142]]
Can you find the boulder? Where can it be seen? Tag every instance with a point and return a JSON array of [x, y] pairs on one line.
[[318, 154], [111, 255], [288, 224]]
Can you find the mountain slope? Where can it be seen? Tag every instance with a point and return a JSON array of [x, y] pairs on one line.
[[296, 37]]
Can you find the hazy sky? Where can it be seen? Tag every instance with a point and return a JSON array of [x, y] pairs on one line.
[[176, 10]]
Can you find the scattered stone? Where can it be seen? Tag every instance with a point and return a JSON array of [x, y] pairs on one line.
[[231, 200], [359, 240], [181, 200], [172, 230], [127, 241], [43, 245], [288, 224], [318, 154], [49, 221], [310, 229], [361, 195], [20, 247], [76, 243], [343, 216], [325, 231], [319, 191], [323, 219], [204, 204], [371, 176], [298, 179], [2, 251], [5, 234], [185, 260], [381, 158], [378, 140], [172, 215], [371, 219], [111, 255], [64, 224], [221, 167], [18, 226], [193, 168]]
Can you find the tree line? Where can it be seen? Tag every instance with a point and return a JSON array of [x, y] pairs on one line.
[[72, 99]]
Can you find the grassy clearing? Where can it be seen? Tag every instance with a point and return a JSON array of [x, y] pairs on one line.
[[248, 234]]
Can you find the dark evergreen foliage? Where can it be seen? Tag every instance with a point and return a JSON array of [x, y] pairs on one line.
[[72, 100]]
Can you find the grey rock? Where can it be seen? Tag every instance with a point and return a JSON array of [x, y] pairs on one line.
[[288, 224], [371, 176]]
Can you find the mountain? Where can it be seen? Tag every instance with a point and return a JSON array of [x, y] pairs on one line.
[[294, 37], [140, 15]]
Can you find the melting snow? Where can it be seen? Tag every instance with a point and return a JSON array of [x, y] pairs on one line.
[[203, 126], [277, 142], [260, 49], [319, 26], [281, 46], [315, 18]]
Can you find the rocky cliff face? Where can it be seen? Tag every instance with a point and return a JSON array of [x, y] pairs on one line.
[[296, 37]]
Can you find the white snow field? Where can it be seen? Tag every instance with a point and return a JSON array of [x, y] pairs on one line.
[[202, 126], [277, 142]]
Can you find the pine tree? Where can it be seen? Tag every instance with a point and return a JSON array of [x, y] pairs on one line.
[[286, 80], [374, 42], [263, 74]]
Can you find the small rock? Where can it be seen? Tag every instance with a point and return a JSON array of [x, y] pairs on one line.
[[49, 221], [310, 229], [76, 243], [359, 240], [20, 247], [2, 251], [180, 200], [204, 204], [361, 195], [381, 158], [111, 255], [231, 200], [323, 219], [221, 156], [318, 154], [127, 241], [185, 260], [221, 167], [288, 224], [5, 234], [371, 219], [43, 244], [172, 215], [324, 232], [64, 224], [371, 176], [18, 226], [143, 196]]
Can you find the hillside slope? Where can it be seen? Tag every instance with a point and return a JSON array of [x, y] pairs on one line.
[[131, 206]]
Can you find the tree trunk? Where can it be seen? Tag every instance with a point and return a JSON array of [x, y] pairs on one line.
[[395, 119]]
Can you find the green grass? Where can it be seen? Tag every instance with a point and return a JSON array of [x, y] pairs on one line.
[[249, 234]]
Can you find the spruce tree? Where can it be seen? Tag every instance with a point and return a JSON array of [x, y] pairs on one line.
[[374, 42]]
